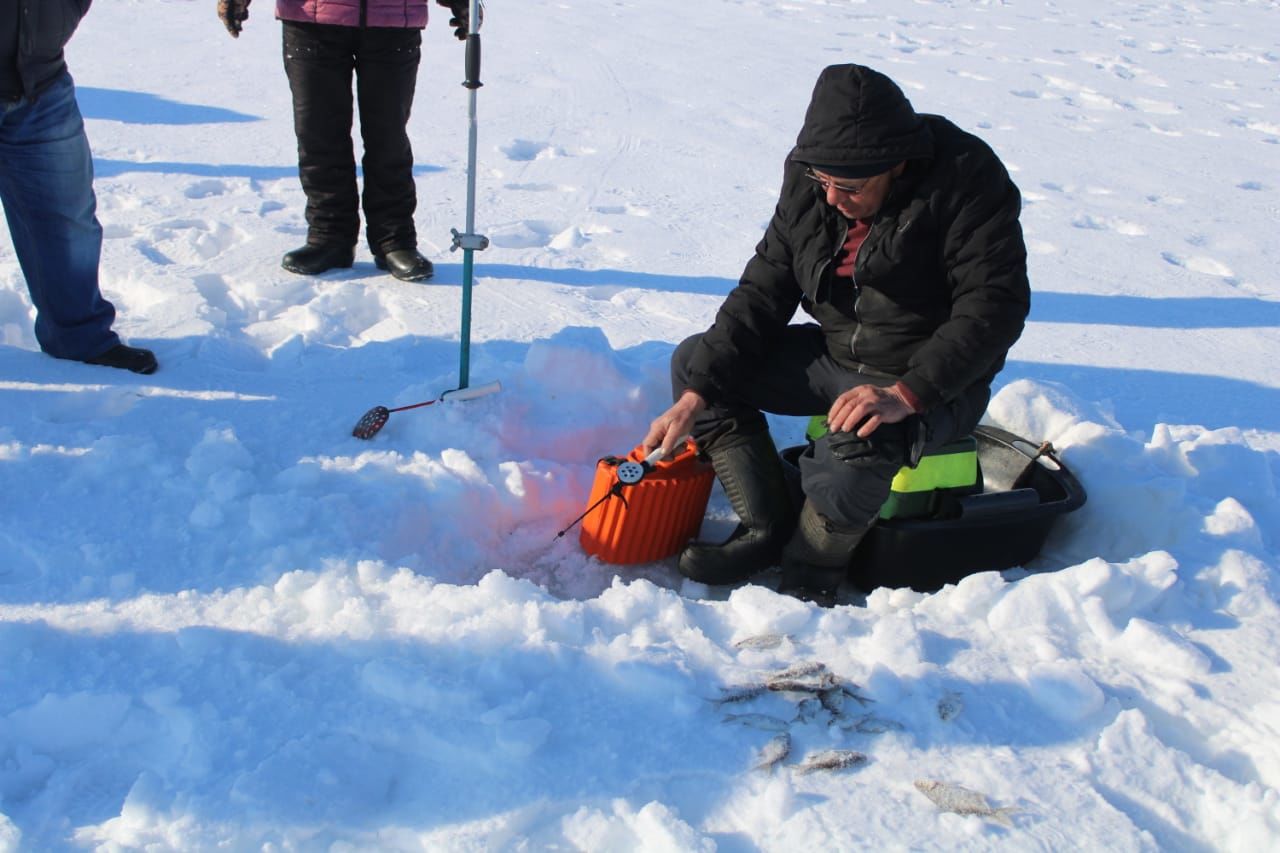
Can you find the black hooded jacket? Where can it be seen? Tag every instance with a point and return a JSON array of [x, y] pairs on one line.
[[940, 288], [44, 28]]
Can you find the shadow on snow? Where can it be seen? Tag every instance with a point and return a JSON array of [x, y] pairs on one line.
[[144, 108]]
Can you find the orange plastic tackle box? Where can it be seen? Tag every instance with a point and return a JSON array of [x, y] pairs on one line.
[[654, 509]]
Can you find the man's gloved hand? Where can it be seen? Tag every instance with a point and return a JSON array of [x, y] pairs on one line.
[[233, 14], [461, 11]]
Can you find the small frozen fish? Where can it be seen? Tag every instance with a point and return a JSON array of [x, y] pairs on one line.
[[832, 759], [774, 752], [833, 701], [807, 710], [803, 669], [833, 698], [758, 721], [734, 695], [950, 706], [962, 801], [796, 685], [762, 641], [868, 724]]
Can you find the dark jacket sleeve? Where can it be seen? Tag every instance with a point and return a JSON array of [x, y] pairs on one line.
[[753, 314], [985, 260]]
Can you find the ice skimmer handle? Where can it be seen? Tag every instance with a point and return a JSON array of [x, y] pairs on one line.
[[658, 454]]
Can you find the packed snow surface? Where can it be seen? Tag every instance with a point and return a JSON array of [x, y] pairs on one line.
[[225, 623]]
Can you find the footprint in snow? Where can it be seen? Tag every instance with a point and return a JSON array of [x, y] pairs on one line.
[[539, 188], [622, 210], [524, 150], [1201, 264], [1120, 226], [219, 297], [533, 234], [191, 241], [205, 189]]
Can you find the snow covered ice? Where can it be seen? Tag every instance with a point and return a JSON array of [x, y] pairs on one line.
[[226, 623]]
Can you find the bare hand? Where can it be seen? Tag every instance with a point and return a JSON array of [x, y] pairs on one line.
[[675, 423], [865, 408]]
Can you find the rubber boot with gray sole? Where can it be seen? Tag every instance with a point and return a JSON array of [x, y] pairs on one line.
[[753, 480]]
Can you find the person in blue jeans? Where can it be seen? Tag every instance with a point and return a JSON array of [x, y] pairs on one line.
[[46, 187]]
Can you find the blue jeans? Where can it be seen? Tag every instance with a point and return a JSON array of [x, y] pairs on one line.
[[46, 186]]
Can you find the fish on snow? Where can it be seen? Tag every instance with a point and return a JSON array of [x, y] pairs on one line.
[[774, 752], [962, 801], [832, 759]]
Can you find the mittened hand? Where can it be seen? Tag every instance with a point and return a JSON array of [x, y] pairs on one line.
[[461, 20], [233, 14]]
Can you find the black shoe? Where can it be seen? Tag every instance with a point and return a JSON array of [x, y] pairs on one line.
[[136, 359], [315, 259], [405, 264]]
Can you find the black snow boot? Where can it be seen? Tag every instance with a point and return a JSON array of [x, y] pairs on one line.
[[123, 356], [753, 480], [816, 559], [317, 258]]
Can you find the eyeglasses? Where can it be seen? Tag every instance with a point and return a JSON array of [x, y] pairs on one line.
[[827, 184]]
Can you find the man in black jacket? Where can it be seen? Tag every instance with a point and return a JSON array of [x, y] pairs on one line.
[[46, 186], [897, 232]]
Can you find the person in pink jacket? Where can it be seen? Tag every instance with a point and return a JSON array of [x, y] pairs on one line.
[[325, 42]]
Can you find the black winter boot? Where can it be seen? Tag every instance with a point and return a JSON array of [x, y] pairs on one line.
[[316, 258], [137, 359], [405, 264], [752, 477], [816, 559]]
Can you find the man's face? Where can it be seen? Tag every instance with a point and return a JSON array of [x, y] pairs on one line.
[[857, 199]]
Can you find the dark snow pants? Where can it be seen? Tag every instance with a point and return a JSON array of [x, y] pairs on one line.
[[845, 477], [319, 60]]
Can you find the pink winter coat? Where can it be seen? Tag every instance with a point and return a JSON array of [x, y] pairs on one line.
[[346, 13]]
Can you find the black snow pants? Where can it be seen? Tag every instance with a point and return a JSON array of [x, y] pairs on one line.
[[845, 477], [319, 60]]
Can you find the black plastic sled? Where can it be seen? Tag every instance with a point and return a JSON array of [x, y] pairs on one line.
[[1023, 493]]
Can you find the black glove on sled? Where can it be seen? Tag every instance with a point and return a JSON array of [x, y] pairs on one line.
[[901, 443], [461, 20], [233, 14]]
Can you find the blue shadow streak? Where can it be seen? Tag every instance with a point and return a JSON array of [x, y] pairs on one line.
[[1154, 313], [143, 108], [1046, 306], [705, 285], [114, 168], [103, 168]]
